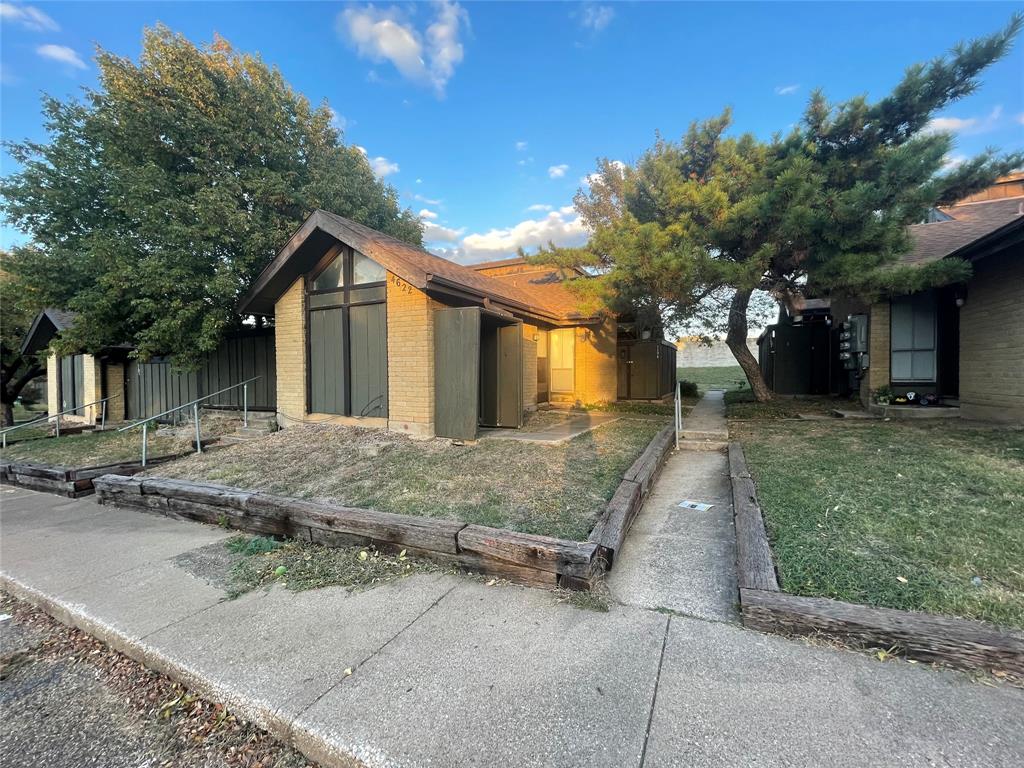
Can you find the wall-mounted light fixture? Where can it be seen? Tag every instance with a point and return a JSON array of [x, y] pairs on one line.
[[645, 334], [960, 295]]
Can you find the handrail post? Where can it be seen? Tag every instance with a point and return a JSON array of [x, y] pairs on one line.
[[195, 414], [58, 424], [245, 404], [145, 440], [103, 415]]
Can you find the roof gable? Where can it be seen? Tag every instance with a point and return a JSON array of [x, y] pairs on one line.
[[414, 265], [968, 224]]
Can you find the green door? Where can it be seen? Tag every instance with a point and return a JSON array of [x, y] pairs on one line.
[[369, 360], [327, 361]]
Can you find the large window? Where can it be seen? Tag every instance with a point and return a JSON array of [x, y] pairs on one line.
[[912, 339], [347, 336], [561, 356]]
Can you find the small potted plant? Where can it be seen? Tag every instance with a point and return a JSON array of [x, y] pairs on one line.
[[883, 395]]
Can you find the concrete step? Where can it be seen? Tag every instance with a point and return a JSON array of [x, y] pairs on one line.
[[703, 445], [702, 434]]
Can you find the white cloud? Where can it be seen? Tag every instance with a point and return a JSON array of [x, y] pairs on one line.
[[591, 178], [596, 17], [436, 233], [1020, 118], [419, 181], [382, 166], [521, 146], [61, 53], [428, 57], [949, 162], [539, 207], [337, 120], [787, 90], [28, 16], [427, 200], [563, 229], [426, 214], [557, 171], [966, 124], [524, 161]]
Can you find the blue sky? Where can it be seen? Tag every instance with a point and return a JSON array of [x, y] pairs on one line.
[[488, 116]]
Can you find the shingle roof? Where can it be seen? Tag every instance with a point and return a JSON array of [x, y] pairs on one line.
[[412, 264], [47, 324], [547, 285], [970, 222]]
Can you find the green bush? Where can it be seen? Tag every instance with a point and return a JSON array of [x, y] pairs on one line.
[[689, 388]]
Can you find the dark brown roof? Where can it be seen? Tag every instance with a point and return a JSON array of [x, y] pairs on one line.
[[970, 222], [548, 286], [47, 324], [416, 266]]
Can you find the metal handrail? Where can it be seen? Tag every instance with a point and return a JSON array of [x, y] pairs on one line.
[[56, 417], [194, 404]]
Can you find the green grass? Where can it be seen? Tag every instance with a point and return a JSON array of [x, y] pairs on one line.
[[730, 377], [555, 490], [299, 566], [92, 448], [895, 515], [742, 405]]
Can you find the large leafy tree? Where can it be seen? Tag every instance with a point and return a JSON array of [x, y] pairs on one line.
[[160, 196], [696, 226]]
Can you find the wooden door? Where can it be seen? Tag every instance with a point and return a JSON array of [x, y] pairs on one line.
[[327, 357]]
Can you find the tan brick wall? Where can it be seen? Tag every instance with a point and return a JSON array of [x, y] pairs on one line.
[[410, 358], [92, 390], [52, 384], [597, 363], [529, 367], [878, 349], [113, 386], [992, 341], [290, 344]]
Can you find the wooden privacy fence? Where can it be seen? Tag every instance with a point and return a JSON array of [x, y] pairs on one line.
[[154, 387]]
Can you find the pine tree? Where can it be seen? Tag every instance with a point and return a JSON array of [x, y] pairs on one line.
[[695, 227]]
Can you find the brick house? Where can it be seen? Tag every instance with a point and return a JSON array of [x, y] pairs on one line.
[[963, 342], [373, 331], [78, 381]]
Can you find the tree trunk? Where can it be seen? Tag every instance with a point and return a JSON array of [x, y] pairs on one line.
[[8, 416], [736, 340]]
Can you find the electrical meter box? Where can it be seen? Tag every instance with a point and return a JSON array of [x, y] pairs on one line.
[[853, 342]]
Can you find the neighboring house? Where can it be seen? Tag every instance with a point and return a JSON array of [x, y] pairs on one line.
[[73, 381], [963, 342], [374, 331]]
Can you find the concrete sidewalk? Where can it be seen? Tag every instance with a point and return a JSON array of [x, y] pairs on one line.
[[450, 672]]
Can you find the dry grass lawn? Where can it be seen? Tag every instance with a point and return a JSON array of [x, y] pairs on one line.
[[554, 490]]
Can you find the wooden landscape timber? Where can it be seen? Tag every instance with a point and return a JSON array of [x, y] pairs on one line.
[[538, 561], [518, 557], [71, 482], [927, 637], [610, 531]]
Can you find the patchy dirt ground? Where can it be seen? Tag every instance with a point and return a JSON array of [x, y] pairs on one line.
[[68, 700], [555, 490]]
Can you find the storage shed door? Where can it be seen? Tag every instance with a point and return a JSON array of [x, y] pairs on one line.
[[456, 372], [369, 360], [327, 356], [510, 376]]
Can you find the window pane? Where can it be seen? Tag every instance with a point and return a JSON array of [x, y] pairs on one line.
[[359, 295], [902, 366], [366, 270], [923, 366], [902, 325], [561, 351], [332, 277], [332, 299]]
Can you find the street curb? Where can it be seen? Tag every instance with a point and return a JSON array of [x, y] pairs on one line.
[[280, 727]]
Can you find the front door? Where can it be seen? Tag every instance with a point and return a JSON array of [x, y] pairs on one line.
[[623, 373]]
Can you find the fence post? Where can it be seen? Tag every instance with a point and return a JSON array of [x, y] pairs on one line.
[[195, 415], [145, 440], [58, 424], [103, 416], [679, 411], [245, 404]]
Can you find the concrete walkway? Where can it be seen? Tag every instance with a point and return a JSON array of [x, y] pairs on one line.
[[572, 426], [450, 672], [679, 559]]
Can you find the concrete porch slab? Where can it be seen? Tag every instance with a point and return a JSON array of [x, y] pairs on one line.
[[573, 426]]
